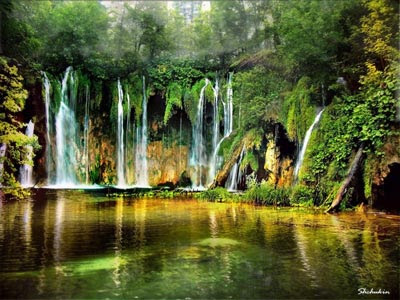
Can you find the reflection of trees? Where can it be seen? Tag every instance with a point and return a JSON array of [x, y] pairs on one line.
[[343, 236], [377, 271]]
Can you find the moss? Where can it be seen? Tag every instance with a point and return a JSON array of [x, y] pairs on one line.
[[173, 99], [298, 110], [249, 160]]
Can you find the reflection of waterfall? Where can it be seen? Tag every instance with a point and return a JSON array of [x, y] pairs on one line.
[[236, 174], [47, 87], [304, 146], [86, 136], [120, 139], [66, 162], [198, 153], [141, 171], [213, 224], [28, 224], [25, 172], [119, 211], [301, 242], [58, 229]]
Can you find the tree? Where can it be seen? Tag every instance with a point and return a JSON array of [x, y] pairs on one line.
[[13, 97]]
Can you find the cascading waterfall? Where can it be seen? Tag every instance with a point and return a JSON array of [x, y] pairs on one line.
[[305, 143], [198, 155], [141, 171], [3, 149], [25, 171], [66, 163], [228, 108], [120, 139], [128, 132], [86, 135], [47, 87], [215, 135], [228, 125], [235, 174]]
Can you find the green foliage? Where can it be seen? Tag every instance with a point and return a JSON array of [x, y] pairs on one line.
[[173, 99], [249, 160], [302, 195], [218, 194], [191, 100], [298, 109], [256, 97], [13, 97], [310, 34], [263, 193]]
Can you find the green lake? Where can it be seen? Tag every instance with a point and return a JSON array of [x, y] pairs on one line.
[[85, 245]]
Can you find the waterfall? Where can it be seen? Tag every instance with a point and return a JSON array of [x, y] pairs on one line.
[[198, 155], [86, 135], [128, 140], [47, 87], [120, 139], [228, 120], [304, 146], [180, 142], [215, 135], [235, 174], [66, 162], [141, 171], [25, 171], [3, 149], [228, 125]]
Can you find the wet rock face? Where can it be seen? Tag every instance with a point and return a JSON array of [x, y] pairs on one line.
[[278, 166], [386, 177], [166, 164]]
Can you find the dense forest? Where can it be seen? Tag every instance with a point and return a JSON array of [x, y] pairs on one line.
[[292, 102]]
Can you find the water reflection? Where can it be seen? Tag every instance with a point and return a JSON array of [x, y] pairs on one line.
[[79, 245], [119, 211]]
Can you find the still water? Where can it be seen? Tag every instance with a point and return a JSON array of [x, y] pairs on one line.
[[75, 244]]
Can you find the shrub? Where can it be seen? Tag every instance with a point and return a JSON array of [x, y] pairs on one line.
[[302, 195], [218, 194]]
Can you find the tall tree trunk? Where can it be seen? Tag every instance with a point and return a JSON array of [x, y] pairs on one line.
[[345, 185]]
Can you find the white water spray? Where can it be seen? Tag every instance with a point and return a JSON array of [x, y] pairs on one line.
[[86, 135], [120, 139], [198, 155], [66, 162], [25, 171], [141, 169], [304, 146], [47, 87], [235, 174]]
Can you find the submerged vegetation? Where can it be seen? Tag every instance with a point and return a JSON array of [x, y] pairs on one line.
[[280, 63]]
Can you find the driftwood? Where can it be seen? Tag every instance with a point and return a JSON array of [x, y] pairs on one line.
[[350, 175], [223, 174]]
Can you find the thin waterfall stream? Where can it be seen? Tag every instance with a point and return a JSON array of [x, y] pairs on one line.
[[47, 88], [26, 169], [305, 143], [141, 166], [121, 182]]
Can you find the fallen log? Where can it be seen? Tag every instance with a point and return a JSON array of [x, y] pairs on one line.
[[346, 183], [223, 174]]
